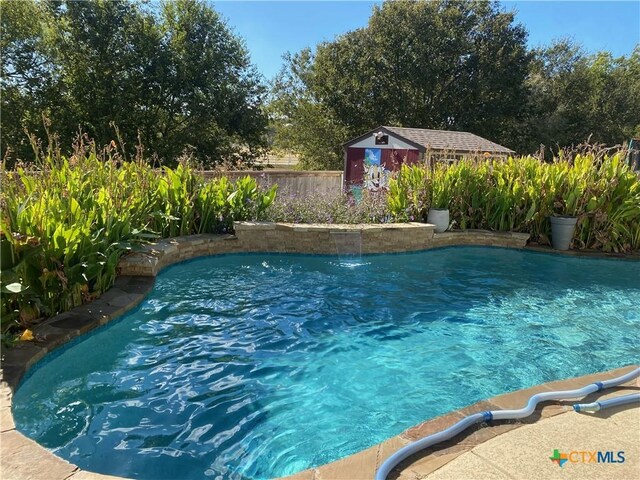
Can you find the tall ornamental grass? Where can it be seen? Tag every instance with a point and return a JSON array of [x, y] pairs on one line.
[[520, 194], [64, 226]]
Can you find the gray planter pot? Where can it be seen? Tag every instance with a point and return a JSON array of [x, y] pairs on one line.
[[562, 230], [439, 217]]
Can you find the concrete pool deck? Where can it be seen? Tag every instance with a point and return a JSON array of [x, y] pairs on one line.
[[524, 453]]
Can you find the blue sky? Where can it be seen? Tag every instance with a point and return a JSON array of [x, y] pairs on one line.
[[272, 28]]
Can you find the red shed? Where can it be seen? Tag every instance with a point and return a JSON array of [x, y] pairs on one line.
[[384, 149]]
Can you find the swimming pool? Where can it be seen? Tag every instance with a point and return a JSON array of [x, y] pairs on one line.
[[258, 366]]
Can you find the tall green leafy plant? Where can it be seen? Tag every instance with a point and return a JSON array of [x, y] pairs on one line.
[[520, 194], [409, 194], [64, 225]]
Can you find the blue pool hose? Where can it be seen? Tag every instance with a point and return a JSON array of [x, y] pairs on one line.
[[466, 422], [612, 402]]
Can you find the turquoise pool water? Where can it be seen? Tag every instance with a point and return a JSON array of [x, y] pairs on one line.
[[258, 366]]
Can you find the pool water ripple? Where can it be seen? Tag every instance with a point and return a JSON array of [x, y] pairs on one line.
[[258, 366]]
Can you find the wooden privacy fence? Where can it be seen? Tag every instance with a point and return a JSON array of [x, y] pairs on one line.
[[290, 181]]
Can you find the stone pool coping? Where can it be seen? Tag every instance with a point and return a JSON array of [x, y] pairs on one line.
[[318, 239], [525, 453], [136, 279]]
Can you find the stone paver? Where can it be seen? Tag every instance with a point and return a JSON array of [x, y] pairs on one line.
[[418, 466], [359, 467], [6, 418], [304, 475], [431, 426], [84, 475], [469, 466], [388, 448], [24, 459]]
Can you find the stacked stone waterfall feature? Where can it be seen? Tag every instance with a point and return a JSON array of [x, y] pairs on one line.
[[309, 238], [348, 244]]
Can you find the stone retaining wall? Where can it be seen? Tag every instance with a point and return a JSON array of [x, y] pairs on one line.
[[480, 237], [333, 239], [310, 238], [155, 256]]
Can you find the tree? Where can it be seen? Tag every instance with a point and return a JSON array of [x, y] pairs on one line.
[[214, 95], [300, 122], [26, 73], [577, 97], [444, 64], [109, 57], [173, 75]]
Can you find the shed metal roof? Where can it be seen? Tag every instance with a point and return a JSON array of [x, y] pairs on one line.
[[425, 139]]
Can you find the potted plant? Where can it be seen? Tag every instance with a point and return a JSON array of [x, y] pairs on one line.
[[439, 209], [562, 229], [565, 218]]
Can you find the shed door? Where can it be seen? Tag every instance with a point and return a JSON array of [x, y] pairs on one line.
[[355, 166]]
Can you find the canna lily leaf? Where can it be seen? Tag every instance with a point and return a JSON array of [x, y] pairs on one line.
[[531, 212], [16, 287]]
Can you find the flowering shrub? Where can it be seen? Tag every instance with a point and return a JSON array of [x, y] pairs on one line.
[[329, 208]]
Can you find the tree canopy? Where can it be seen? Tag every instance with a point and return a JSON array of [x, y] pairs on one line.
[[576, 97], [175, 75], [456, 65]]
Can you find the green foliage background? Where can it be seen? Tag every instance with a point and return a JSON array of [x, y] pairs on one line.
[[65, 224], [172, 77], [520, 194], [452, 65]]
